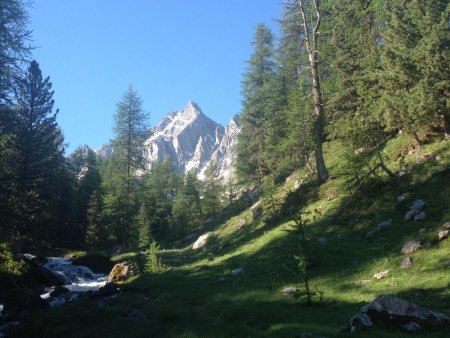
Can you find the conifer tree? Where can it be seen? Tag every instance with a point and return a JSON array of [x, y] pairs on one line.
[[38, 152], [415, 67], [212, 190], [128, 158], [257, 106], [14, 48]]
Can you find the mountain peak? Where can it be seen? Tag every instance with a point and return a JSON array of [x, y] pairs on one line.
[[191, 105]]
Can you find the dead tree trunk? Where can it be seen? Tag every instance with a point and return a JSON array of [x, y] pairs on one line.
[[310, 38]]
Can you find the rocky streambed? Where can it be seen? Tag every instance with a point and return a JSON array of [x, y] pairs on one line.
[[52, 281]]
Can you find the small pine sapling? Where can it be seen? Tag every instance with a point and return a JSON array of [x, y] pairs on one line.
[[153, 262]]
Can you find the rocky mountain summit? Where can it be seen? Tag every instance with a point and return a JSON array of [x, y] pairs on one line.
[[192, 140]]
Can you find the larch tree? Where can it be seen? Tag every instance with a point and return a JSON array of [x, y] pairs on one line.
[[257, 106], [130, 128]]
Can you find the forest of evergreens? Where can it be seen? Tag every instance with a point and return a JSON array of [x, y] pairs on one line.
[[358, 71]]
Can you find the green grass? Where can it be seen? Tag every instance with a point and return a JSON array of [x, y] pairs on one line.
[[190, 301]]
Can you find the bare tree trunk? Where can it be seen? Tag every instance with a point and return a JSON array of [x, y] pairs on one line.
[[311, 47]]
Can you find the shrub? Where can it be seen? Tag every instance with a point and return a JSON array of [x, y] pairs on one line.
[[153, 263]]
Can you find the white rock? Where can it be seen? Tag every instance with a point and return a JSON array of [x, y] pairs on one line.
[[201, 241], [237, 272], [443, 234]]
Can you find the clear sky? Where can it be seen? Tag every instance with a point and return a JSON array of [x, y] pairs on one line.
[[169, 50]]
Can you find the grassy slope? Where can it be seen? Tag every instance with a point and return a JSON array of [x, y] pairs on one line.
[[189, 300]]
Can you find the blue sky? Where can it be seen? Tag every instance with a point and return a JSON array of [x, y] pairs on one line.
[[169, 50]]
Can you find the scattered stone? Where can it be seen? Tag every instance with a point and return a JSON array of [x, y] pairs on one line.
[[296, 185], [415, 210], [201, 241], [406, 263], [381, 274], [446, 226], [237, 272], [410, 214], [291, 292], [446, 264], [256, 209], [417, 205], [122, 271], [402, 197], [240, 224], [223, 280], [399, 313], [362, 282], [420, 216], [411, 247], [422, 230], [323, 240], [443, 234], [385, 223]]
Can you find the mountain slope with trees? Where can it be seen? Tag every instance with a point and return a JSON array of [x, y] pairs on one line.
[[366, 82]]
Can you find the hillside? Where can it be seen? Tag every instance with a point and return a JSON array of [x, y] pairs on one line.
[[197, 296]]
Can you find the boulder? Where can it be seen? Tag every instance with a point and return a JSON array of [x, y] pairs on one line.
[[411, 247], [58, 291], [108, 290], [291, 292], [34, 303], [446, 226], [122, 271], [392, 311], [201, 241], [406, 263], [372, 232], [443, 234], [446, 264], [95, 262]]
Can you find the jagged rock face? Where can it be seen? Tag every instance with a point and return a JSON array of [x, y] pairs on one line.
[[192, 140], [225, 154]]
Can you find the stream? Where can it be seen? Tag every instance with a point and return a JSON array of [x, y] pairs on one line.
[[78, 280]]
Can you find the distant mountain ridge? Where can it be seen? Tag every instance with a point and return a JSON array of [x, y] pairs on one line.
[[192, 140]]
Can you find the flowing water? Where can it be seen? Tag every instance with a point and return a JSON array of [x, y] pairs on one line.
[[78, 279]]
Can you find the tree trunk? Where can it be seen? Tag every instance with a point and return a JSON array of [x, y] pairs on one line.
[[311, 47]]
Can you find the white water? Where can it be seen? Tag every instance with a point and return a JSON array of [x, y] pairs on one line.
[[78, 279]]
